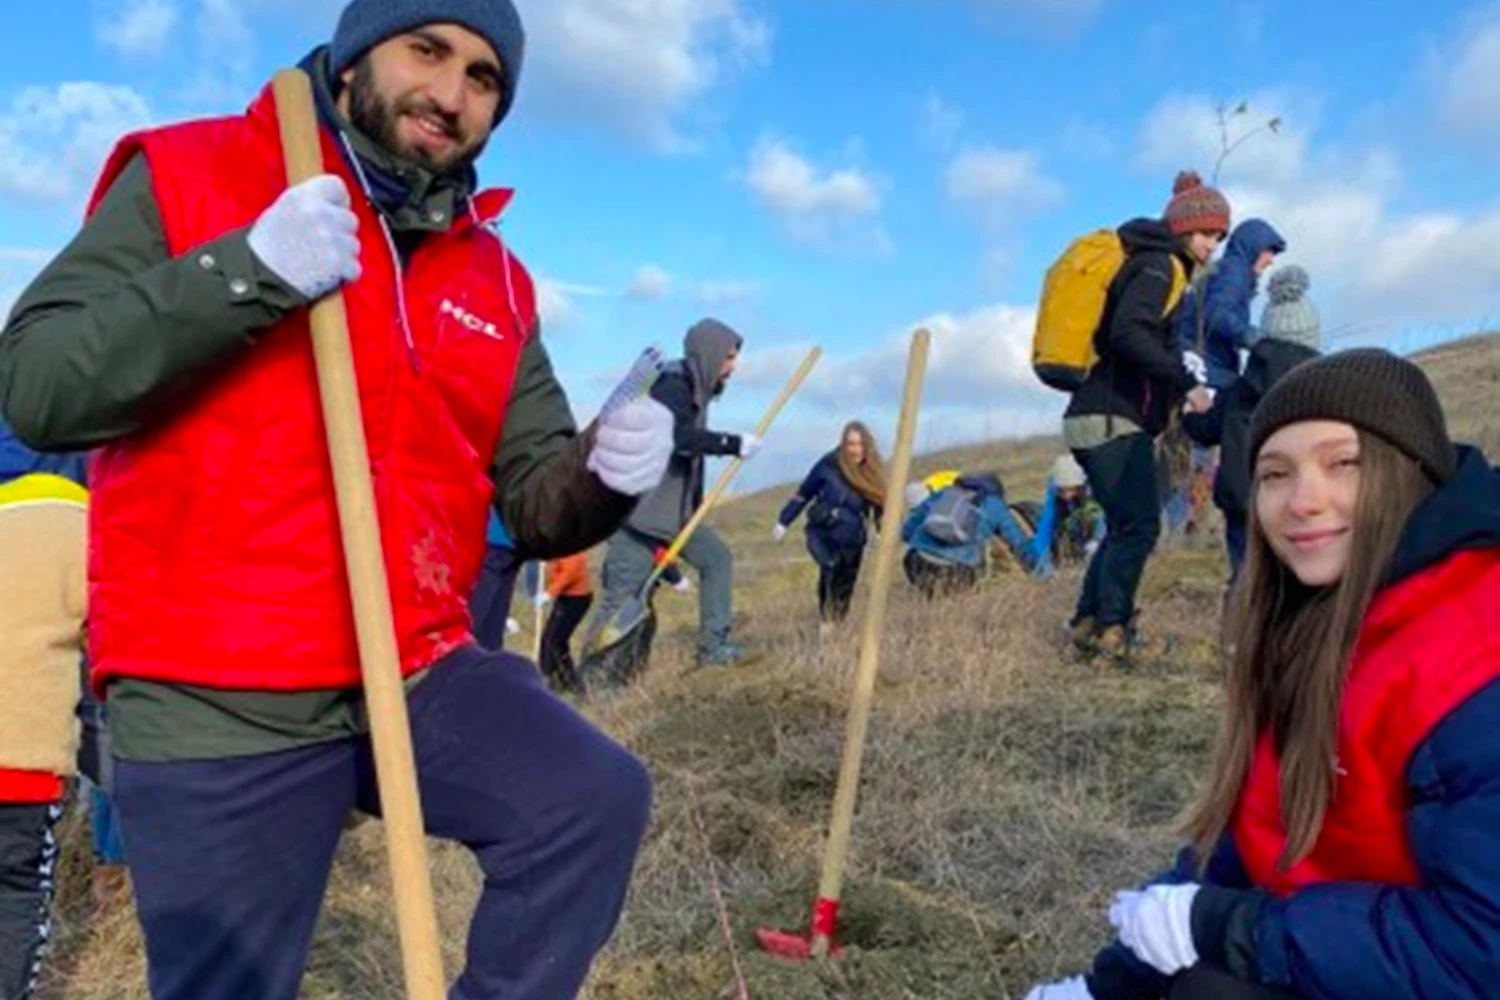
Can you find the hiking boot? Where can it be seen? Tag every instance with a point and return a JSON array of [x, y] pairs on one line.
[[1119, 646], [726, 653], [1083, 635]]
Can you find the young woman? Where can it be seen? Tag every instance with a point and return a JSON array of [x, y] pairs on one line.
[[845, 489], [1346, 845], [1115, 417]]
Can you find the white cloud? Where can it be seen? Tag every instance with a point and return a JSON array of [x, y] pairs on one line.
[[977, 358], [1001, 182], [137, 28], [53, 139], [814, 204], [1183, 132], [634, 67], [557, 301], [1377, 269], [1468, 70], [650, 282], [941, 122]]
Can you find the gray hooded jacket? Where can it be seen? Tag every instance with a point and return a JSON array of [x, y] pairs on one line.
[[686, 388]]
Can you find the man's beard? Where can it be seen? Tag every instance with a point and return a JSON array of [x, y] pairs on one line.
[[379, 119]]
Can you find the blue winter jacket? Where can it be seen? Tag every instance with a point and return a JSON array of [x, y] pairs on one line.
[[1439, 940], [1224, 311], [836, 511], [17, 460], [995, 517]]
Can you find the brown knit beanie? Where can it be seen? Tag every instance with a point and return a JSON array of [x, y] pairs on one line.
[[1372, 389], [1195, 207]]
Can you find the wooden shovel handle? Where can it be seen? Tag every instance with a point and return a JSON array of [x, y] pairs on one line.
[[837, 851], [369, 588]]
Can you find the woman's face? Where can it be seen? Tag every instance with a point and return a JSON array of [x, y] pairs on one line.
[[1307, 485], [1201, 246], [854, 446]]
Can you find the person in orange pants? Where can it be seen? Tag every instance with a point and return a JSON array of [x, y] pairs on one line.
[[570, 593]]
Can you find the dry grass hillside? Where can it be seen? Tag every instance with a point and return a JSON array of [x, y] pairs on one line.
[[1007, 790]]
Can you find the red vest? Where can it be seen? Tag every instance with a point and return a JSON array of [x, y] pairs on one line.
[[215, 556], [1428, 643]]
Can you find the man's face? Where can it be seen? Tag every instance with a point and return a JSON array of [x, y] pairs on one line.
[[428, 95], [727, 368]]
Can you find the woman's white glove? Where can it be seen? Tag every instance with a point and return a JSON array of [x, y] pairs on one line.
[[1064, 989], [309, 236], [1157, 925], [632, 447]]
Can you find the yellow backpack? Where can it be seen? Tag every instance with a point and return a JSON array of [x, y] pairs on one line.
[[1072, 306]]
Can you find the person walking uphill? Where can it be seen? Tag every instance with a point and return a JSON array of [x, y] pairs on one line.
[[172, 335], [1291, 333], [688, 386], [1343, 844], [1126, 401], [845, 490], [43, 535]]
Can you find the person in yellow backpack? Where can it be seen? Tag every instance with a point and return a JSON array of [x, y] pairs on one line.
[[1127, 398]]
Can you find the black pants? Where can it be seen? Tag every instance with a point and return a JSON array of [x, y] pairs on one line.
[[836, 578], [28, 861], [1122, 476], [557, 659], [1204, 983]]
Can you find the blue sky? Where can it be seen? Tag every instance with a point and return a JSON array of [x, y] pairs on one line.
[[836, 172]]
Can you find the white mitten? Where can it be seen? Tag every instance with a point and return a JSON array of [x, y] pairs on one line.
[[632, 447], [1157, 925], [309, 236], [1063, 989], [749, 445]]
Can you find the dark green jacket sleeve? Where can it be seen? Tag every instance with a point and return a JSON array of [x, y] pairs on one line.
[[551, 504], [115, 326]]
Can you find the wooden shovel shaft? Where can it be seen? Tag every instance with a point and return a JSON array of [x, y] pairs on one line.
[[869, 646], [727, 476], [369, 587]]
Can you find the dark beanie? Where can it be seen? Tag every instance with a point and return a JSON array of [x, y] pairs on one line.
[[1372, 389], [366, 23]]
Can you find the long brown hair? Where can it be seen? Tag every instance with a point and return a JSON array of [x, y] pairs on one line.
[[868, 477], [1293, 647]]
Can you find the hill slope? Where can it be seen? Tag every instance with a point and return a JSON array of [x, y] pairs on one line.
[[1007, 791]]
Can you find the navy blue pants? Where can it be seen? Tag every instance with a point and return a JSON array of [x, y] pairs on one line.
[[1122, 476], [230, 857], [489, 605]]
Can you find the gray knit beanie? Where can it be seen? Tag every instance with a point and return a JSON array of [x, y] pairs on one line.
[[1289, 316], [366, 23], [1372, 389]]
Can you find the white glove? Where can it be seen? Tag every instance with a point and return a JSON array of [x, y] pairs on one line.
[[683, 585], [1193, 362], [632, 447], [1063, 989], [512, 627], [541, 600], [749, 445], [778, 532], [1157, 925], [309, 236]]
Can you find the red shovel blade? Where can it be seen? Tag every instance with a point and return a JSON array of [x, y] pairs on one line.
[[785, 944]]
